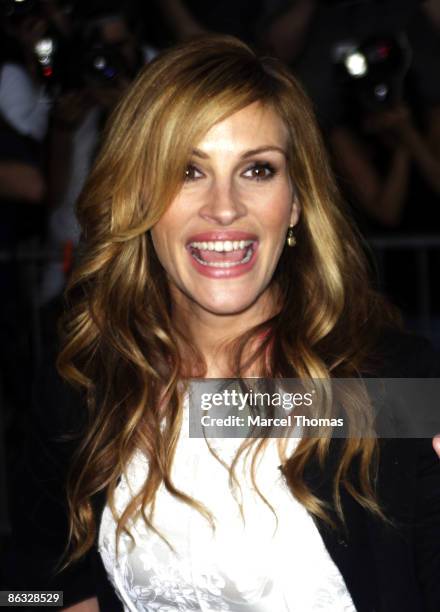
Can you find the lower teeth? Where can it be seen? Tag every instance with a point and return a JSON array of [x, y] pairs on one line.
[[225, 264]]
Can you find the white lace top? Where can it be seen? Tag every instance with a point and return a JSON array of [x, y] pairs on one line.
[[250, 566]]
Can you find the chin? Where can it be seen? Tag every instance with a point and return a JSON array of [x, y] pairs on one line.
[[227, 305]]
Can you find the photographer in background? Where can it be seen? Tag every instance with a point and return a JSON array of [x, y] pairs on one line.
[[386, 151], [24, 102], [105, 57], [386, 147]]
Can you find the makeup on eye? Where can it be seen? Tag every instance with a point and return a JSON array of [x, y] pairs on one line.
[[190, 173], [258, 171]]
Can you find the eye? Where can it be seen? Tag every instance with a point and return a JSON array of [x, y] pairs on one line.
[[260, 171], [192, 173]]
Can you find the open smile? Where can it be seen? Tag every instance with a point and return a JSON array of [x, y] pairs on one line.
[[223, 257], [222, 254]]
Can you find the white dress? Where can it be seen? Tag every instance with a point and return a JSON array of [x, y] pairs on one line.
[[255, 566]]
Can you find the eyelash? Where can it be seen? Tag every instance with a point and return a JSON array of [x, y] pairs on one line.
[[256, 166], [262, 166]]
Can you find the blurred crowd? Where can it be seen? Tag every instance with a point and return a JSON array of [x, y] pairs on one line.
[[369, 66]]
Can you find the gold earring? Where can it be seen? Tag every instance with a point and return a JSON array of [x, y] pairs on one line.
[[291, 240]]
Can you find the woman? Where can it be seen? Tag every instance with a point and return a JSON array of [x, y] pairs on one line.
[[214, 245]]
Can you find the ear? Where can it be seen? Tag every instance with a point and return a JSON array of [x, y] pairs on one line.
[[296, 211]]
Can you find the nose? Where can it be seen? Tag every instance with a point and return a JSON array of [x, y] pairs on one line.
[[223, 204]]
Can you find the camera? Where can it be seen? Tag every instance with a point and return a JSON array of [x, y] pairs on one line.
[[373, 71]]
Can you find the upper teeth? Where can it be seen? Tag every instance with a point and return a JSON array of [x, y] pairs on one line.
[[221, 245]]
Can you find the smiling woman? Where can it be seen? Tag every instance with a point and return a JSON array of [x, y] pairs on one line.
[[214, 244]]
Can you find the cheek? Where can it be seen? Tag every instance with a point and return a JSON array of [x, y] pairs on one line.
[[168, 229], [275, 214]]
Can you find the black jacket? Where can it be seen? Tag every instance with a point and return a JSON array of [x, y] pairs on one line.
[[386, 569]]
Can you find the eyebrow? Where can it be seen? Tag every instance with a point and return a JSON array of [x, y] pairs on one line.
[[250, 153]]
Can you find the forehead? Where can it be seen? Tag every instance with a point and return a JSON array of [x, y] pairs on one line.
[[254, 126]]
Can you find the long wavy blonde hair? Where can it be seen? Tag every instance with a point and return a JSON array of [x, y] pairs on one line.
[[119, 340]]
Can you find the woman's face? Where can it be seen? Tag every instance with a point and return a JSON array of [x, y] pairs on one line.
[[222, 236]]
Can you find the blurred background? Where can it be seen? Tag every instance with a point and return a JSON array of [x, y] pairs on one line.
[[371, 68]]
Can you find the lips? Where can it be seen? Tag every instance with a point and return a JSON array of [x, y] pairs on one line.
[[222, 253]]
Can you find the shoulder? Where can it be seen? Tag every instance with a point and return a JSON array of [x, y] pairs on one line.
[[402, 354]]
